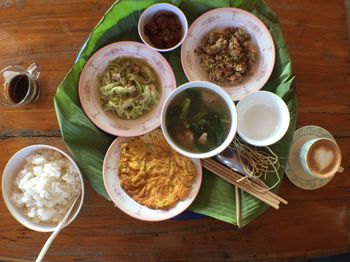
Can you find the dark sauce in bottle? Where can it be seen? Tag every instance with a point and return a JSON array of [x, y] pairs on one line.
[[18, 88]]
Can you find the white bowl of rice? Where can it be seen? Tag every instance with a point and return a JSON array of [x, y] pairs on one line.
[[39, 183]]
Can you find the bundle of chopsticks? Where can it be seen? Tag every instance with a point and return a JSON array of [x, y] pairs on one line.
[[232, 177]]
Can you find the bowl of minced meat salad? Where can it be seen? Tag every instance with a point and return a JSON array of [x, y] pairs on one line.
[[39, 185], [231, 48], [162, 27]]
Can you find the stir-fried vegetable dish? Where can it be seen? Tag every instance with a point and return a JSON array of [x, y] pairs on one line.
[[129, 87]]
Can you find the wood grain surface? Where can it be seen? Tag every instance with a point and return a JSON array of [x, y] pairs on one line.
[[314, 223]]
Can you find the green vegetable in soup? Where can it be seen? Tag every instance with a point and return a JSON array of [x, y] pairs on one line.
[[198, 120], [185, 108]]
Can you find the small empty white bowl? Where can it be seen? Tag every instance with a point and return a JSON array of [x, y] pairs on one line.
[[263, 118], [13, 166], [146, 17]]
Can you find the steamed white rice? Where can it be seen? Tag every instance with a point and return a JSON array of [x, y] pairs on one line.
[[45, 188]]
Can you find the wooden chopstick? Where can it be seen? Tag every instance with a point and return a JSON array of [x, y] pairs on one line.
[[238, 207], [223, 172], [282, 200], [242, 186], [235, 176], [256, 185]]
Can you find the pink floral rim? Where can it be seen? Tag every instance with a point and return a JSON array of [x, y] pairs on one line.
[[89, 96], [220, 18], [128, 205]]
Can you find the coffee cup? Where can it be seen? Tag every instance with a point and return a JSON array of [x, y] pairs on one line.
[[320, 158]]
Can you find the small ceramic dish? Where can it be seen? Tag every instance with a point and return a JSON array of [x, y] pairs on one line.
[[88, 88], [13, 166], [263, 118], [227, 100], [218, 19], [147, 16], [127, 204], [294, 169]]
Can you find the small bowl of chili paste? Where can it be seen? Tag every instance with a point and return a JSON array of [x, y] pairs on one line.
[[163, 27]]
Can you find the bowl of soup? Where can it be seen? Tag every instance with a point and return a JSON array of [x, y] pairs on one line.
[[199, 119]]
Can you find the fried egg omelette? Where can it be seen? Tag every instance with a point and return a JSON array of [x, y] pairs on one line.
[[152, 173]]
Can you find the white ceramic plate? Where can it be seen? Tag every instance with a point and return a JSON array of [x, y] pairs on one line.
[[261, 40], [128, 205], [13, 166], [88, 88], [294, 170]]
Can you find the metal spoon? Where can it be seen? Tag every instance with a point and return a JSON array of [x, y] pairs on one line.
[[229, 158]]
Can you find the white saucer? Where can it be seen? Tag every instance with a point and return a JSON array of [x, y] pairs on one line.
[[294, 171]]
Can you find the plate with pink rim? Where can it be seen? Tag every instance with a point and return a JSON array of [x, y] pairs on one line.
[[261, 41], [88, 88], [127, 204]]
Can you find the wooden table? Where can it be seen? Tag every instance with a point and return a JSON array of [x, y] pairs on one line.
[[315, 223]]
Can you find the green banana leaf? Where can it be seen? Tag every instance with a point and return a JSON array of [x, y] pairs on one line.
[[88, 144]]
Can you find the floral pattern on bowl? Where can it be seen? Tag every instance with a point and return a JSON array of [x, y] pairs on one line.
[[127, 204], [261, 40], [89, 96]]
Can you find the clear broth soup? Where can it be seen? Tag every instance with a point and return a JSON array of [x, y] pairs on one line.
[[198, 120]]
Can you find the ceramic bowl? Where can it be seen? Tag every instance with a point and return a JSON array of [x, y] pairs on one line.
[[147, 16], [218, 19], [13, 166], [220, 92], [294, 169], [263, 118], [127, 204], [88, 88]]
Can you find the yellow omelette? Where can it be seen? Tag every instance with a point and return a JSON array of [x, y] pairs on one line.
[[152, 173]]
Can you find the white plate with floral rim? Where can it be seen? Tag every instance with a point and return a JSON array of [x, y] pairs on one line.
[[88, 88], [261, 40], [128, 205], [294, 170]]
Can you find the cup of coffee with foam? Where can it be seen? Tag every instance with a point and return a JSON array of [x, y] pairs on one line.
[[320, 158]]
